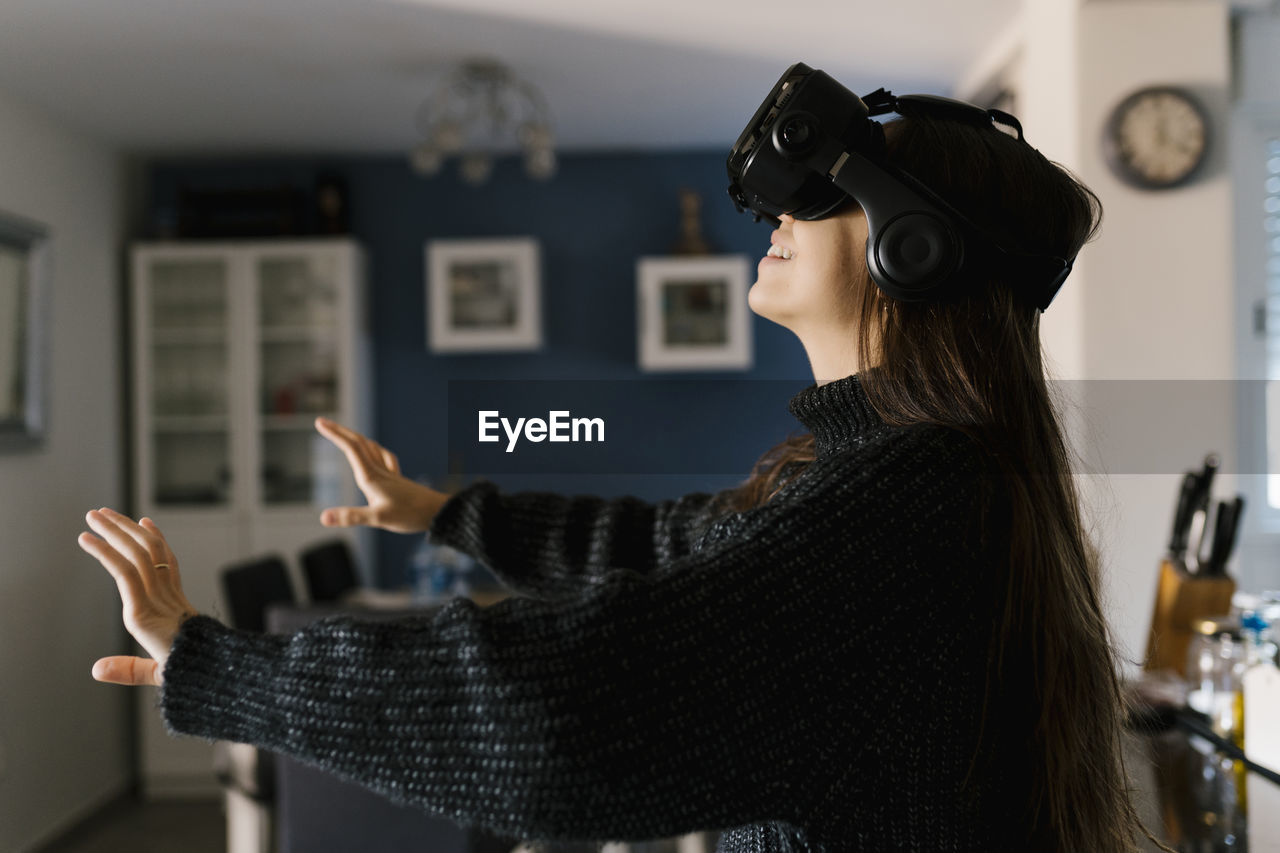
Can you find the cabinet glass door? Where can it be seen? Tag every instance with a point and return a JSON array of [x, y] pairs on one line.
[[190, 413], [298, 334]]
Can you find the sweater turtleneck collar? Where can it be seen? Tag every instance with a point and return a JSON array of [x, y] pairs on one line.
[[838, 413]]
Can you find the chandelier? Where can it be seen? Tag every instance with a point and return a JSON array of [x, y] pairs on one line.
[[480, 110]]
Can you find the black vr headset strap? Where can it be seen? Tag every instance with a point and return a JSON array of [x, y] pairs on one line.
[[882, 101]]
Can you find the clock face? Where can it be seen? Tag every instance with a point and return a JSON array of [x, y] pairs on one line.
[[1157, 137]]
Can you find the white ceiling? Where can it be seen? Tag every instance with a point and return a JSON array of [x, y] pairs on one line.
[[266, 76]]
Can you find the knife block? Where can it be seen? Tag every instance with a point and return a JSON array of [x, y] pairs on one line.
[[1181, 600]]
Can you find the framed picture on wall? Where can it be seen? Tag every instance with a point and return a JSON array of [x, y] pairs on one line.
[[692, 313], [25, 281], [483, 295]]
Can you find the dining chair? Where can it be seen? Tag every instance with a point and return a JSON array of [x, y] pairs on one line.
[[329, 569], [247, 773]]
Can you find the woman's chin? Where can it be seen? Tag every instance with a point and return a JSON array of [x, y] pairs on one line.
[[769, 311], [756, 301]]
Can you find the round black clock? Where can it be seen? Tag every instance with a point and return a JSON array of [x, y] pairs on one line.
[[1157, 137]]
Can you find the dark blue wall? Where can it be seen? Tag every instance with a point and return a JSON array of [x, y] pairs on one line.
[[593, 220]]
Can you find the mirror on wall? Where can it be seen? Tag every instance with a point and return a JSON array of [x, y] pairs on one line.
[[24, 291]]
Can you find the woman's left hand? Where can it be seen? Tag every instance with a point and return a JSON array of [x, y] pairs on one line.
[[146, 574]]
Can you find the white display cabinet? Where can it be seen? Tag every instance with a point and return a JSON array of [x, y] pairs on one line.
[[237, 347]]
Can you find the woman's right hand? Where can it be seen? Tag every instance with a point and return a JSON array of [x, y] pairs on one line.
[[396, 503]]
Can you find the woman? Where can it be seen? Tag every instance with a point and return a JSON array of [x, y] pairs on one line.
[[888, 638]]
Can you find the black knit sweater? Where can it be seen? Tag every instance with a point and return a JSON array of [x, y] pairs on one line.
[[805, 675]]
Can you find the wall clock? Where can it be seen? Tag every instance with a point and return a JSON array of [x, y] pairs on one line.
[[1157, 137]]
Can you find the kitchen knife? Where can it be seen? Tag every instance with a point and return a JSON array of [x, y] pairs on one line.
[[1182, 517], [1233, 535], [1224, 535], [1221, 520], [1200, 532]]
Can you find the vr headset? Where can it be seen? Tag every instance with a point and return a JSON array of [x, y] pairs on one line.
[[812, 147]]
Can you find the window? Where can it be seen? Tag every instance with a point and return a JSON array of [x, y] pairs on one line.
[[1271, 324], [1255, 164], [1254, 154]]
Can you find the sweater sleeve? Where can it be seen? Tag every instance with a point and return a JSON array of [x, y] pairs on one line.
[[542, 544], [711, 693]]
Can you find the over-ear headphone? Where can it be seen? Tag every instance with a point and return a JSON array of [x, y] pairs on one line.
[[812, 146]]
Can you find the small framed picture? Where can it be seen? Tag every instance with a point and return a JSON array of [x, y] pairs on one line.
[[692, 313], [25, 281], [483, 295]]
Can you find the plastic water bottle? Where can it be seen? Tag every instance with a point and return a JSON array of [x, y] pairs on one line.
[[438, 572], [420, 570], [444, 572]]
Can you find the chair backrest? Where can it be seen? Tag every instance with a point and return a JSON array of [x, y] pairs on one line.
[[254, 585], [329, 570]]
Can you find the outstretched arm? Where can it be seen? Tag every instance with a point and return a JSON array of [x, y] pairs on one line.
[[538, 543], [623, 713], [545, 545], [643, 708]]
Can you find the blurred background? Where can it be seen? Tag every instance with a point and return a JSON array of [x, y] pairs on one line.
[[227, 213]]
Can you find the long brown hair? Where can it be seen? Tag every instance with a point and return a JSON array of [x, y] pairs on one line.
[[976, 365]]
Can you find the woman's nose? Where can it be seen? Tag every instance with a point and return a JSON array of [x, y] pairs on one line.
[[786, 217]]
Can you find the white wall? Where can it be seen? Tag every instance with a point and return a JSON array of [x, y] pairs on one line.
[[1152, 298], [1159, 299], [63, 747]]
